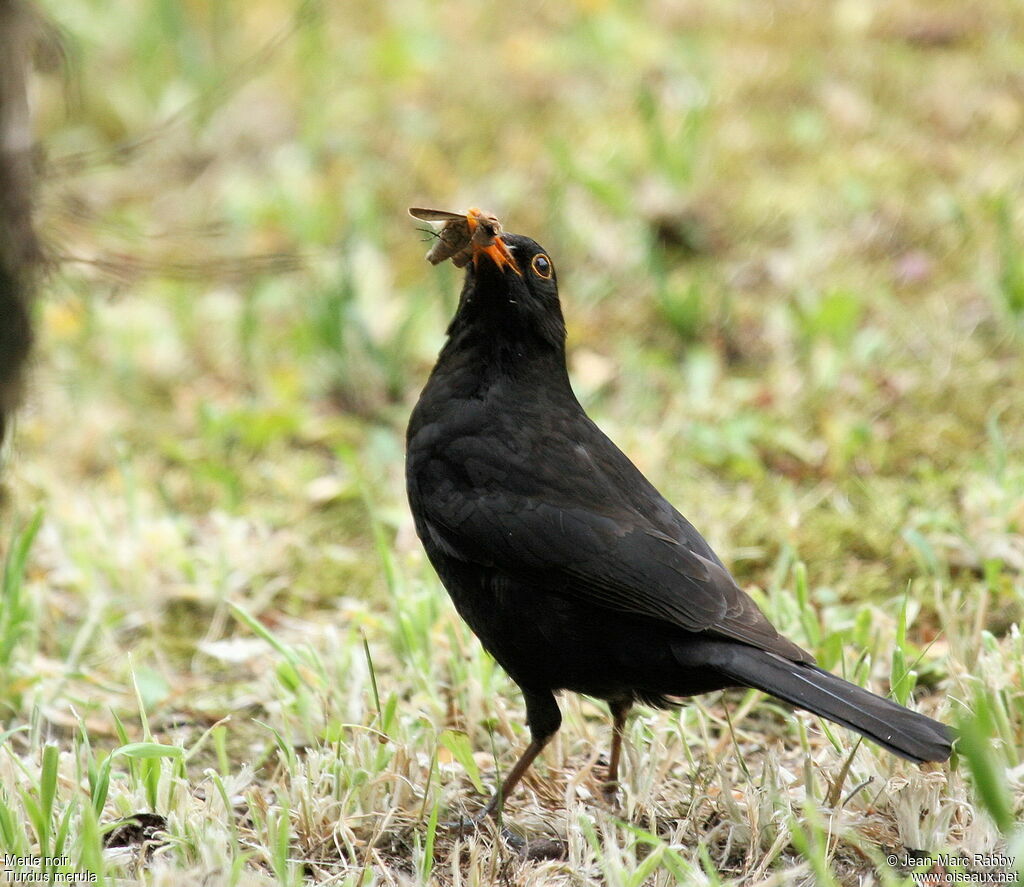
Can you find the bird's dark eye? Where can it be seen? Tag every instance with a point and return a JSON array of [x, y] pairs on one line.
[[542, 266]]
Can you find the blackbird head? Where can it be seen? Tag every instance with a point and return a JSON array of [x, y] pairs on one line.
[[510, 294]]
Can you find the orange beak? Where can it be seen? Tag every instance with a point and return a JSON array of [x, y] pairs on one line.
[[497, 251]]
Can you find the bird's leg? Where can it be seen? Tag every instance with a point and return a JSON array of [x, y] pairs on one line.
[[544, 719], [620, 709], [522, 765]]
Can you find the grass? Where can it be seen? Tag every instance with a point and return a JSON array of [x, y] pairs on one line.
[[788, 240]]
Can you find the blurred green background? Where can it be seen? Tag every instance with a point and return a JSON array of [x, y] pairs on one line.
[[787, 236]]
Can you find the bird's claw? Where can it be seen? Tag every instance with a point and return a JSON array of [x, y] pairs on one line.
[[464, 825], [468, 825]]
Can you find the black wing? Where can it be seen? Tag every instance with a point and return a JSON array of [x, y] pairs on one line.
[[596, 549]]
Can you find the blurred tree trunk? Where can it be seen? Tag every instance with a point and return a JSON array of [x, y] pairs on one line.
[[19, 248]]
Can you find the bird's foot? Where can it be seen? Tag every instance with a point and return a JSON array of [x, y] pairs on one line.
[[610, 793], [465, 825], [483, 821]]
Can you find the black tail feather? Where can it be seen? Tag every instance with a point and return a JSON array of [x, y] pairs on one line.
[[903, 732]]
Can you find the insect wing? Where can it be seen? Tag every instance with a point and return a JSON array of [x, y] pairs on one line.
[[435, 215]]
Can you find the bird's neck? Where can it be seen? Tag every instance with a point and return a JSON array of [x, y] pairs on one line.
[[477, 356]]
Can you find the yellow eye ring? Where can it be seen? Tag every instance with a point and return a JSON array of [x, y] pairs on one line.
[[541, 266]]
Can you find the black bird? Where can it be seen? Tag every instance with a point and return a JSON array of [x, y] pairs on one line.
[[568, 565]]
